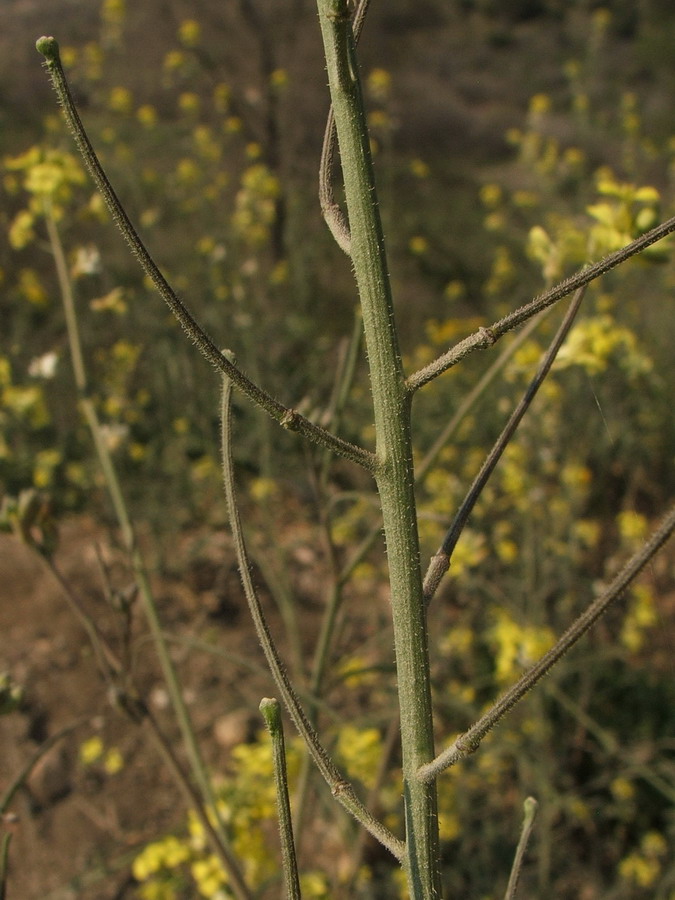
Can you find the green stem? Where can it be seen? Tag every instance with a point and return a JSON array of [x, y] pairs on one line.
[[288, 418], [271, 711], [341, 789], [529, 814], [487, 337], [394, 472], [469, 742], [440, 562]]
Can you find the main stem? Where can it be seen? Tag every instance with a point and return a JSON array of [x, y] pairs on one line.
[[394, 469]]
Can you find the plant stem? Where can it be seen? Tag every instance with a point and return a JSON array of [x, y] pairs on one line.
[[271, 711], [287, 417], [341, 789], [440, 562], [469, 742], [487, 337], [394, 472], [88, 408], [529, 814]]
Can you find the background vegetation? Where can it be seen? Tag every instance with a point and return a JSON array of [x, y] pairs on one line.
[[512, 146]]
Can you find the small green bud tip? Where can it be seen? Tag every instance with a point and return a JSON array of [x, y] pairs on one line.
[[530, 807], [48, 47], [269, 707]]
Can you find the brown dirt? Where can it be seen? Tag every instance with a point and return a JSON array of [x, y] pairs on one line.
[[76, 829]]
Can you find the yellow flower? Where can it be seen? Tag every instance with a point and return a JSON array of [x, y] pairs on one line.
[[46, 461], [189, 33], [187, 171], [419, 168], [262, 489], [113, 761], [491, 195], [32, 288], [174, 59], [91, 750], [232, 125], [418, 245], [147, 115], [189, 103], [540, 104], [632, 525], [639, 870], [208, 875], [379, 84], [622, 789], [279, 79], [120, 100], [360, 750]]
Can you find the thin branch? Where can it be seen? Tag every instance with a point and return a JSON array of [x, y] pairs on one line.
[[288, 418], [440, 562], [45, 747], [422, 470], [332, 213], [487, 337], [529, 815], [4, 859], [271, 711], [341, 789], [469, 742]]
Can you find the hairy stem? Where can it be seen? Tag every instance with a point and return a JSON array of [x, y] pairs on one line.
[[440, 562], [340, 788], [529, 815], [394, 472], [469, 742], [271, 711], [487, 337], [288, 418]]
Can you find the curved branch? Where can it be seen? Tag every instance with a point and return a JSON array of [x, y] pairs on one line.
[[342, 790], [330, 209], [486, 337], [288, 418]]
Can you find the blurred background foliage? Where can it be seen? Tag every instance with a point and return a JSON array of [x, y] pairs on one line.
[[514, 143]]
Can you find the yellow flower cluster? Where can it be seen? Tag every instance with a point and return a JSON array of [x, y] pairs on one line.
[[516, 647], [48, 176], [597, 342]]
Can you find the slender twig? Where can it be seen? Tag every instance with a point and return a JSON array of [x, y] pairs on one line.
[[440, 562], [341, 789], [4, 858], [115, 492], [529, 814], [487, 337], [469, 742], [423, 468], [288, 418], [271, 711], [332, 213], [45, 747]]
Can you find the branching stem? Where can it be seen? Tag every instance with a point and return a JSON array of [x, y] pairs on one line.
[[440, 562], [287, 417], [341, 789], [469, 742], [487, 337]]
